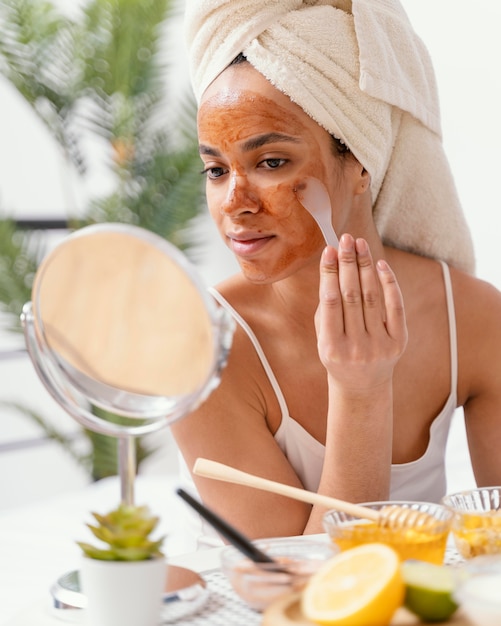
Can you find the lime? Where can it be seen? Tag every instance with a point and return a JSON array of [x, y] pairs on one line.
[[428, 590]]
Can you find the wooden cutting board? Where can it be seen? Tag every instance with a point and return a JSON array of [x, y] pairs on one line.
[[287, 612]]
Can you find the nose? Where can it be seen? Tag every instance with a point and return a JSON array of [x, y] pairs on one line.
[[240, 197]]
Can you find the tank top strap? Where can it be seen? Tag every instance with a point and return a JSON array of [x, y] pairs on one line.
[[452, 326], [262, 357]]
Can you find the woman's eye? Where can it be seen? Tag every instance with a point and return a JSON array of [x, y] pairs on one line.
[[213, 172], [272, 164]]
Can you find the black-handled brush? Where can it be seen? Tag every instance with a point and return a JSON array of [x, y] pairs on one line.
[[235, 537]]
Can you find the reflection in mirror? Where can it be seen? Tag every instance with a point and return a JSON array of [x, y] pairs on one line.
[[120, 321]]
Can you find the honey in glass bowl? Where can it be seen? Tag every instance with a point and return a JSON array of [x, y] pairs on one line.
[[476, 526], [423, 542]]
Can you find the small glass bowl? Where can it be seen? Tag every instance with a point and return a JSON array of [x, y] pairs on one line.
[[477, 591], [476, 526], [422, 542], [259, 586]]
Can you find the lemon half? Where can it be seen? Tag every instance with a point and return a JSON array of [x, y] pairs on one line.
[[359, 586]]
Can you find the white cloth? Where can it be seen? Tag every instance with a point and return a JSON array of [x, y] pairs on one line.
[[361, 72]]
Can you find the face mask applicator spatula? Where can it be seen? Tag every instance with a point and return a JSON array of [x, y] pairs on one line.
[[314, 197]]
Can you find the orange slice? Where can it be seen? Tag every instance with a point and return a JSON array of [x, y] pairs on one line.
[[357, 587]]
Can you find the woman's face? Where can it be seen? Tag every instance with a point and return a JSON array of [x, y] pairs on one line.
[[257, 147]]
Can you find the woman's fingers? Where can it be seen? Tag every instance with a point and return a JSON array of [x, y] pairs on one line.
[[359, 284], [396, 325], [350, 285], [330, 311], [364, 295], [360, 318]]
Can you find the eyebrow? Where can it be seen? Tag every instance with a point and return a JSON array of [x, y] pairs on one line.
[[262, 140], [253, 143]]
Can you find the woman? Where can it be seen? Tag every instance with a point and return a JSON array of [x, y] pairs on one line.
[[346, 365]]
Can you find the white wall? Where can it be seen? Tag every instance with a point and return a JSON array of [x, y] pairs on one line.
[[464, 42]]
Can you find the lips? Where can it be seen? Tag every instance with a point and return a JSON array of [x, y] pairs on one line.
[[248, 244]]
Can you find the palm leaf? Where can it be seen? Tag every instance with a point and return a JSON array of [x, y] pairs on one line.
[[20, 253], [102, 73], [120, 45], [36, 56], [68, 443]]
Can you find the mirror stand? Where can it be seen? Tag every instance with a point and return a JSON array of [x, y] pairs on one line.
[[126, 339], [127, 467]]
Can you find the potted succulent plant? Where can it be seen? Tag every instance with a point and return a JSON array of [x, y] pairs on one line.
[[123, 580]]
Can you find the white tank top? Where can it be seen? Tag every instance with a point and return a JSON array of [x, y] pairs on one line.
[[422, 479]]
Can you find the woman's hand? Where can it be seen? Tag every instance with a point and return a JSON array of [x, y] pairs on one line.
[[360, 320]]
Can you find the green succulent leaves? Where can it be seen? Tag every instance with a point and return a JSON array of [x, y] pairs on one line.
[[126, 531]]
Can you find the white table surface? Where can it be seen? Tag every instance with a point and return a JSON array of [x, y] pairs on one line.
[[38, 542], [37, 612], [38, 545]]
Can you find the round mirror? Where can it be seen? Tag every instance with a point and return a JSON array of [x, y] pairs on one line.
[[122, 332]]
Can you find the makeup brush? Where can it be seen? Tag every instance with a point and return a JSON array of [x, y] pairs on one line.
[[235, 537]]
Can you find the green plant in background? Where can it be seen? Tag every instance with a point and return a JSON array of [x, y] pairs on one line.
[[102, 74], [19, 254], [125, 532]]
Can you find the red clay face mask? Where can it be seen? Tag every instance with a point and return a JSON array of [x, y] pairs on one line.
[[257, 147]]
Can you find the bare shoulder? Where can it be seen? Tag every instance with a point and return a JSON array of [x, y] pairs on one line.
[[478, 313], [477, 306], [235, 416], [242, 383], [475, 300]]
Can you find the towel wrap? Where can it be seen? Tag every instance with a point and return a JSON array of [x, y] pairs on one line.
[[360, 71]]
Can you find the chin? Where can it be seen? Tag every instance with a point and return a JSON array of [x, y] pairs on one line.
[[256, 275], [272, 272]]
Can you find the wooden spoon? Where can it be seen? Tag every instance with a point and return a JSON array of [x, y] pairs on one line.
[[393, 516]]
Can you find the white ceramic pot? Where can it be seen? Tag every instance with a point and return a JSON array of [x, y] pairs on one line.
[[123, 593]]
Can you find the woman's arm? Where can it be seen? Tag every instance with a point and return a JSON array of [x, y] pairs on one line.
[[478, 314], [362, 333], [231, 427]]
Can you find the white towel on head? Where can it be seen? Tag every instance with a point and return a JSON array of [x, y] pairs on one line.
[[361, 72], [394, 63]]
